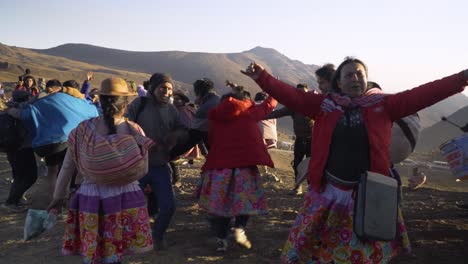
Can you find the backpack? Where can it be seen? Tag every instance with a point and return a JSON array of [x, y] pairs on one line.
[[405, 134], [12, 133], [116, 159]]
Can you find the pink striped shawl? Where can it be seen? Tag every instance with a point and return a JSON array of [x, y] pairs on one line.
[[116, 159]]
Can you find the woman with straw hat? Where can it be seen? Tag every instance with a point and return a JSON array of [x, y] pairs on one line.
[[107, 216]]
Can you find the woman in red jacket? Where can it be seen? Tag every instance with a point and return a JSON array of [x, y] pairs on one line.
[[351, 136], [230, 182]]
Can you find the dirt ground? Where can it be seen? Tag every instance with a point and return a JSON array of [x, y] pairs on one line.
[[438, 229]]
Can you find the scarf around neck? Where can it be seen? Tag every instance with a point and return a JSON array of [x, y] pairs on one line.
[[366, 99]]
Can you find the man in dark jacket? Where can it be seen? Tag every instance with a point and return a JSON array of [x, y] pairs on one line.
[[160, 121], [302, 130], [207, 99]]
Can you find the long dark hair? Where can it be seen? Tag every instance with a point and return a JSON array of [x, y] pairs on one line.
[[203, 86], [337, 74], [111, 105]]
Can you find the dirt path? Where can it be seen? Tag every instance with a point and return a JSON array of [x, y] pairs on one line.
[[438, 229]]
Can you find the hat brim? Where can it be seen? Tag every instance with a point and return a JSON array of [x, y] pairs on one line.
[[117, 94]]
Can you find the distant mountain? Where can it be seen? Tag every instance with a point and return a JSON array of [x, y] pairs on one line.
[[72, 61], [187, 67], [432, 137], [432, 115], [14, 60]]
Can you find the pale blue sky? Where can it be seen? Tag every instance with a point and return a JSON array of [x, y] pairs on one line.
[[404, 42]]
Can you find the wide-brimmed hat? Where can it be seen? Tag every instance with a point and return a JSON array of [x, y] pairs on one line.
[[115, 87]]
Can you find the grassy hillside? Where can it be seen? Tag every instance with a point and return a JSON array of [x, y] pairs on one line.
[[187, 67], [13, 62]]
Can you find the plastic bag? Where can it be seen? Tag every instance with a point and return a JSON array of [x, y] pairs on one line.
[[34, 224], [38, 221], [51, 219]]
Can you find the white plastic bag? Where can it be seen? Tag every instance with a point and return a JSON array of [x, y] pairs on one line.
[[34, 224], [38, 221]]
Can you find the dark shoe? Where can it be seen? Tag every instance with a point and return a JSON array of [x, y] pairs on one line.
[[221, 245], [159, 244], [296, 191], [273, 177], [13, 208], [462, 206]]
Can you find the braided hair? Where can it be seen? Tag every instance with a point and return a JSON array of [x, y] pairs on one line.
[[112, 105]]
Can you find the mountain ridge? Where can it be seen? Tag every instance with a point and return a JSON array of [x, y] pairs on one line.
[[180, 64], [73, 60]]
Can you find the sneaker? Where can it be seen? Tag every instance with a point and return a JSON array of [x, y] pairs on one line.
[[273, 177], [462, 206], [241, 238], [276, 179], [221, 245], [14, 208]]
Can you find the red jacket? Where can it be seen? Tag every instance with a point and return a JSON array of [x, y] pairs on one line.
[[379, 111], [234, 137]]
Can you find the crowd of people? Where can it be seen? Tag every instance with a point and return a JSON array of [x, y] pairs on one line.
[[110, 153]]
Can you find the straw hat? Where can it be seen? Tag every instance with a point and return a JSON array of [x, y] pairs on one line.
[[115, 87]]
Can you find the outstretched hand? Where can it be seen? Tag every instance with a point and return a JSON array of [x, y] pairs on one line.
[[230, 84], [253, 70], [90, 76]]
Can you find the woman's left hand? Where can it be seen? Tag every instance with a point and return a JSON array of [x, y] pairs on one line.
[[56, 203]]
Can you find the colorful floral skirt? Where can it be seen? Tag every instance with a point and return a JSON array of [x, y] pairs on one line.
[[323, 233], [106, 222], [232, 192]]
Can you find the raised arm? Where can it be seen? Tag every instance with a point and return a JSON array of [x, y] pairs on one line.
[[259, 112], [411, 101], [86, 86], [296, 100], [279, 113]]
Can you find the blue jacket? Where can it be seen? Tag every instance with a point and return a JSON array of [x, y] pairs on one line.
[[51, 118]]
